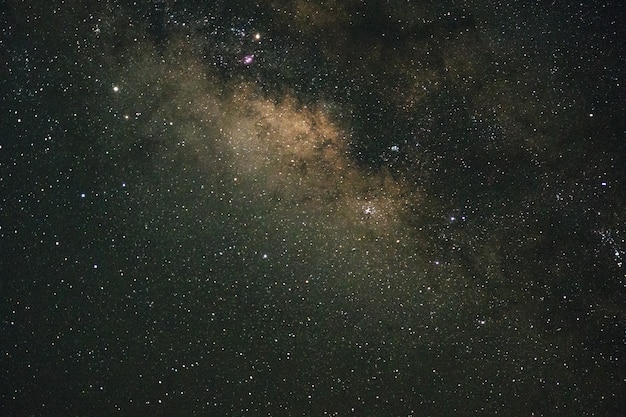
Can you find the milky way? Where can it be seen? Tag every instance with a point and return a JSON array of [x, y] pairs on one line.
[[312, 208]]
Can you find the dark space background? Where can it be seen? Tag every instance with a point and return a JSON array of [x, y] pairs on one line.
[[312, 208]]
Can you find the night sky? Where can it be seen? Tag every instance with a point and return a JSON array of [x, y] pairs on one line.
[[312, 208]]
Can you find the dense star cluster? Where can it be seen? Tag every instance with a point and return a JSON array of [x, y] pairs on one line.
[[312, 208]]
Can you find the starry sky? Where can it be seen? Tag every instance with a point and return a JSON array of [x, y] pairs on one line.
[[312, 208]]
